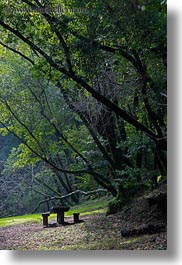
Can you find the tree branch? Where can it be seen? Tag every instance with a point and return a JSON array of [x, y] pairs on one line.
[[51, 20], [35, 47], [23, 125], [17, 52], [68, 195]]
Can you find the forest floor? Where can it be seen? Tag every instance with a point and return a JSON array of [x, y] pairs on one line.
[[95, 232]]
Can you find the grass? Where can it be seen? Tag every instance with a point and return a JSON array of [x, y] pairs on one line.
[[15, 220], [87, 207]]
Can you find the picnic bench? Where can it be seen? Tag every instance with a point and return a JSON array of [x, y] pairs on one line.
[[59, 210]]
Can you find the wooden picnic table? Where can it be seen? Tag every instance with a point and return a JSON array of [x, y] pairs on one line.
[[60, 210]]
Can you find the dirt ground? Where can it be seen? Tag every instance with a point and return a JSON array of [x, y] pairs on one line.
[[95, 232]]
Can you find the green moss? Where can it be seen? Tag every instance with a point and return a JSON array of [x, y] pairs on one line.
[[113, 207]]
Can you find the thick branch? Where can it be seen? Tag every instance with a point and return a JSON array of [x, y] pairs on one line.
[[51, 21], [35, 47], [113, 107], [68, 195], [17, 52]]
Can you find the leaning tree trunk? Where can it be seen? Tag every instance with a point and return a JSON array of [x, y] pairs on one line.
[[118, 201]]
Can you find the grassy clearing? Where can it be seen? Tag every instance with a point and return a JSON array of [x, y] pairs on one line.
[[85, 208]]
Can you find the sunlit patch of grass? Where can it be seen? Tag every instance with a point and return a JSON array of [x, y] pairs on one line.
[[70, 213], [89, 207], [15, 220]]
